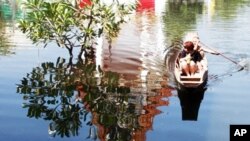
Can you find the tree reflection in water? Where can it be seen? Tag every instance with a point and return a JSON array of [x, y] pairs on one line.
[[66, 93], [4, 46], [180, 17], [9, 12]]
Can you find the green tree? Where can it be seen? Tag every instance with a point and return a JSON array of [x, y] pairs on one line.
[[71, 25]]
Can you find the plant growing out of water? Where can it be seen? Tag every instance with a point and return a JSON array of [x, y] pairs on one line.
[[74, 23]]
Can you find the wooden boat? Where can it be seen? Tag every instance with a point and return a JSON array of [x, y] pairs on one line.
[[191, 81]]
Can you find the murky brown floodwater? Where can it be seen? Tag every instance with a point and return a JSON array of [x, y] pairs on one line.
[[133, 94]]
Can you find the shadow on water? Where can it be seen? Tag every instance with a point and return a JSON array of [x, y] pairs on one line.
[[72, 95], [190, 100]]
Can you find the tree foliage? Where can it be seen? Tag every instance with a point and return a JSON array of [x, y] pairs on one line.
[[71, 25]]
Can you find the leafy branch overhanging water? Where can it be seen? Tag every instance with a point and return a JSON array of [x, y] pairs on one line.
[[74, 23]]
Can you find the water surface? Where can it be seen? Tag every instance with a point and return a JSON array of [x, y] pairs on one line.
[[132, 94]]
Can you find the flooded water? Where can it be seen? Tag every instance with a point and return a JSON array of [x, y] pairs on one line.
[[128, 91]]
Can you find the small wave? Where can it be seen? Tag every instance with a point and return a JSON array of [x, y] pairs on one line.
[[245, 62], [243, 65], [170, 54]]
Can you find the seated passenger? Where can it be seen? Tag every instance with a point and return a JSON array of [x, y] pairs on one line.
[[190, 59], [193, 36]]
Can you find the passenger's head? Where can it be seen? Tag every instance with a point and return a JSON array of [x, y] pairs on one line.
[[189, 46]]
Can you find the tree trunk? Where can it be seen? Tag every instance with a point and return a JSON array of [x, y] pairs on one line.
[[70, 49], [81, 52]]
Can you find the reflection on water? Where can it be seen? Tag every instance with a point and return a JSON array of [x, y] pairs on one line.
[[120, 99], [66, 93], [9, 12], [3, 39], [180, 17], [226, 9], [190, 101]]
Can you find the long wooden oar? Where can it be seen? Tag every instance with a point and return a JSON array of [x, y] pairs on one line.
[[242, 67]]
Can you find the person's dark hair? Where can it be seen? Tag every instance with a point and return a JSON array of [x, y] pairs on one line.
[[189, 45]]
